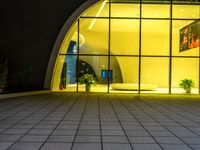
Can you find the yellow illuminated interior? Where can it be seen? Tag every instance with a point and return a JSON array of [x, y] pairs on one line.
[[125, 47]]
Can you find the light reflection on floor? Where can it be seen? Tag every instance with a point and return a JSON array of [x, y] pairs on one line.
[[103, 88]]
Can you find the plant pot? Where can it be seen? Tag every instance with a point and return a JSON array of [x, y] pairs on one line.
[[188, 90], [87, 87]]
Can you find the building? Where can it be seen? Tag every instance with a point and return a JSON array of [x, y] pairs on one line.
[[128, 45]]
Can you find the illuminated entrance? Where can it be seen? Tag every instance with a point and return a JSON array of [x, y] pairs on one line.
[[132, 46]]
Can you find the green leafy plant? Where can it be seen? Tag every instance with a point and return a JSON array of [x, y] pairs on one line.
[[88, 80], [187, 84]]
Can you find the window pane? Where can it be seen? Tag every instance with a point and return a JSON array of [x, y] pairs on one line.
[[185, 38], [186, 1], [101, 9], [124, 37], [125, 74], [155, 37], [125, 10], [65, 76], [155, 11], [185, 68], [94, 65], [154, 75], [69, 45], [94, 34], [186, 11]]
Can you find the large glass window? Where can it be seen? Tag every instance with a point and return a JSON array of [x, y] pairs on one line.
[[124, 36], [186, 11], [132, 46], [155, 37], [154, 74], [125, 10], [66, 78], [94, 65], [155, 11], [94, 32], [125, 74], [101, 9], [185, 68]]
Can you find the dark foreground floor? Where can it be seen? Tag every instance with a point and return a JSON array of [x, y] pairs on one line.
[[100, 122]]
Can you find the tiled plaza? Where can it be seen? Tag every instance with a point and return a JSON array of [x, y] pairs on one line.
[[80, 121]]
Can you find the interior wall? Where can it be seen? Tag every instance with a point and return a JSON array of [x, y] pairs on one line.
[[154, 70]]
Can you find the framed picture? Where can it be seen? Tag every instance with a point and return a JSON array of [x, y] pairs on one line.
[[189, 36]]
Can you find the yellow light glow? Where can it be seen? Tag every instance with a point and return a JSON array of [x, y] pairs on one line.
[[81, 38], [98, 13]]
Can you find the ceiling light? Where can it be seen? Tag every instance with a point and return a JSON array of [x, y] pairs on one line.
[[98, 13]]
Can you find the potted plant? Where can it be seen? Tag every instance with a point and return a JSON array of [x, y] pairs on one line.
[[88, 80], [187, 84]]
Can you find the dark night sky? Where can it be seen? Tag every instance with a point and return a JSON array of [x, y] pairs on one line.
[[28, 31]]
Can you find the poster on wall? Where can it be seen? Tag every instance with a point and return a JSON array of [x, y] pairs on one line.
[[189, 36]]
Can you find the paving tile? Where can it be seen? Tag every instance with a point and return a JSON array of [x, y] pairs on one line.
[[155, 128], [9, 138], [69, 122], [64, 132], [33, 138], [137, 133], [56, 146], [167, 118], [110, 146], [95, 123], [168, 140], [110, 123], [25, 146], [67, 127], [23, 126], [190, 140], [5, 145], [136, 128], [113, 132], [15, 131], [39, 132], [146, 147], [82, 127], [185, 134], [161, 133], [142, 140], [44, 126], [88, 132], [111, 128], [196, 146], [87, 139], [60, 138], [114, 139], [175, 147], [86, 146]]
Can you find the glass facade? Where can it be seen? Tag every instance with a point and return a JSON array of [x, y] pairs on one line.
[[132, 46]]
